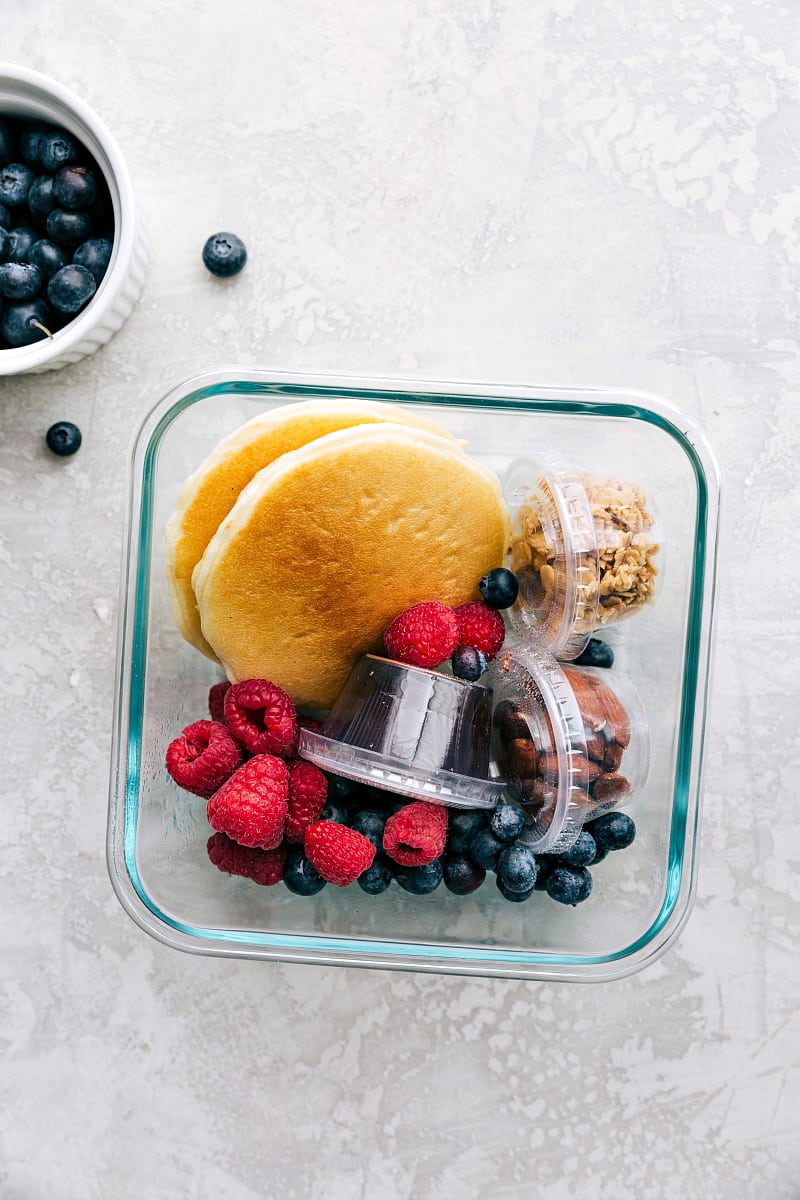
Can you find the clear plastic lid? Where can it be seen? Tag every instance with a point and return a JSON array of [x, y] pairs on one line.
[[571, 742], [583, 550]]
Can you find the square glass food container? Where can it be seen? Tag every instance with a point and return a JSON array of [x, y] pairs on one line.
[[157, 834]]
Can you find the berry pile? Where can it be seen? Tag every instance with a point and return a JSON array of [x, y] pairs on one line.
[[56, 230], [280, 818]]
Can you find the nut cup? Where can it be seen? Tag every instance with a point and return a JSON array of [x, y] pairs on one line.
[[571, 743], [584, 550], [411, 731]]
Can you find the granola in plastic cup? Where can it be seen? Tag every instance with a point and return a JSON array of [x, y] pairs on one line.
[[584, 550]]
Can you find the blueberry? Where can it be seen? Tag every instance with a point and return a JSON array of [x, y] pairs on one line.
[[544, 866], [224, 254], [5, 243], [6, 142], [339, 788], [484, 849], [461, 874], [47, 256], [334, 812], [19, 281], [68, 228], [581, 853], [56, 148], [20, 241], [41, 201], [600, 853], [516, 866], [29, 142], [370, 823], [420, 881], [15, 180], [22, 324], [95, 255], [63, 438], [71, 288], [613, 831], [5, 217], [75, 187], [468, 663], [499, 588], [507, 821], [514, 897], [569, 885], [299, 875], [377, 877], [596, 654], [462, 826]]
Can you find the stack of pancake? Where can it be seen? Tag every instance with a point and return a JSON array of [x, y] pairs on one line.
[[305, 532]]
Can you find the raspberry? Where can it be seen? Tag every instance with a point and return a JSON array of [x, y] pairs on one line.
[[424, 635], [480, 626], [338, 853], [416, 834], [308, 791], [216, 701], [262, 717], [262, 866], [203, 757], [310, 724], [251, 807]]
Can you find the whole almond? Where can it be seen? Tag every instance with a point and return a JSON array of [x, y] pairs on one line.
[[595, 745], [590, 704], [612, 755], [610, 787], [619, 725], [521, 758]]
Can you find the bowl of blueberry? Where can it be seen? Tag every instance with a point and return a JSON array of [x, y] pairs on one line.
[[72, 249]]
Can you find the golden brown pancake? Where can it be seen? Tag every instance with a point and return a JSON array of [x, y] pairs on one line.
[[329, 543], [208, 495]]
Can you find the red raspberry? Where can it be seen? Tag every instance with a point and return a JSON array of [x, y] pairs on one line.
[[262, 717], [262, 866], [203, 757], [216, 700], [480, 626], [424, 635], [251, 807], [416, 834], [336, 852], [308, 791], [310, 724]]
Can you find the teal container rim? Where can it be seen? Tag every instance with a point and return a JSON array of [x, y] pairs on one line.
[[401, 954]]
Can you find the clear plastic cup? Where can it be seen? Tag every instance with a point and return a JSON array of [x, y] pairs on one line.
[[584, 550], [571, 742], [412, 731]]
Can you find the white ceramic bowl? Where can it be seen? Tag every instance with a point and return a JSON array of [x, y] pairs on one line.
[[26, 93]]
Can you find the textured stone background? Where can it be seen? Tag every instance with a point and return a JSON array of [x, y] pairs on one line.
[[559, 192]]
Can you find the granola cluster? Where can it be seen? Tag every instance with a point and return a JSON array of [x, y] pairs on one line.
[[621, 578]]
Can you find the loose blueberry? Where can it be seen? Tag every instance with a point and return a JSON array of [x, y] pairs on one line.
[[41, 201], [75, 187], [370, 823], [5, 217], [581, 853], [299, 875], [499, 588], [507, 821], [56, 148], [20, 241], [485, 848], [68, 228], [23, 324], [63, 438], [461, 874], [334, 812], [600, 853], [468, 663], [514, 897], [6, 142], [19, 281], [516, 867], [420, 881], [596, 654], [569, 885], [462, 826], [15, 180], [95, 255], [47, 256], [224, 254], [613, 831], [71, 288], [377, 877]]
